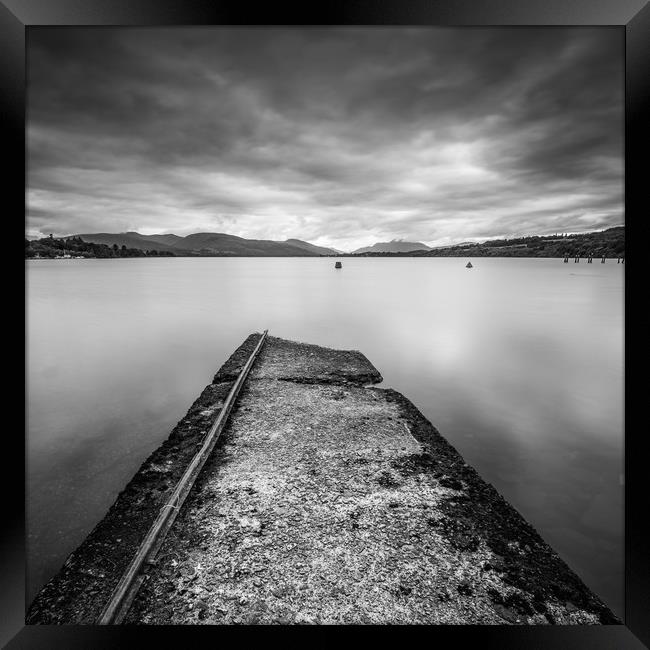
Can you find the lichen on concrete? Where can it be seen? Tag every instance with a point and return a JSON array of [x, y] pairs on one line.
[[328, 501]]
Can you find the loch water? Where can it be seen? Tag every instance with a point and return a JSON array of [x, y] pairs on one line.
[[517, 362]]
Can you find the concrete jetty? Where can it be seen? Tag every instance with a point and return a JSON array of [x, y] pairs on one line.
[[327, 500]]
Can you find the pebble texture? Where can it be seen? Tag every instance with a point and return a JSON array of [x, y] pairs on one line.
[[326, 501]]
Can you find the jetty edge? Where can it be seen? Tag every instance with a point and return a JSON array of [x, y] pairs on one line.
[[326, 500]]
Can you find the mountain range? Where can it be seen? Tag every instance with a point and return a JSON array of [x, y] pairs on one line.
[[609, 242], [209, 243]]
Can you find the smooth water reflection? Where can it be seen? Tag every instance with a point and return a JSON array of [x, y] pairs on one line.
[[518, 363]]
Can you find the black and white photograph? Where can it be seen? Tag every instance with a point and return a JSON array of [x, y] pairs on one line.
[[325, 325]]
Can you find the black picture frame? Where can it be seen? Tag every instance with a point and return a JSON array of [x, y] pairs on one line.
[[633, 16]]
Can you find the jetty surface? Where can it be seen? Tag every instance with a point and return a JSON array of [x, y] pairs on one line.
[[326, 500]]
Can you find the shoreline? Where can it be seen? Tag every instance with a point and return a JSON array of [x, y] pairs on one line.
[[596, 260]]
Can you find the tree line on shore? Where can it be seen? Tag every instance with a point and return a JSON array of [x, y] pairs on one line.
[[53, 247], [607, 243]]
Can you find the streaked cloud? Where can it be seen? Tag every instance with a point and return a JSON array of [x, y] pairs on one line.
[[340, 136]]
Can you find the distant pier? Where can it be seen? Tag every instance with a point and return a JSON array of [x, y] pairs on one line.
[[590, 258]]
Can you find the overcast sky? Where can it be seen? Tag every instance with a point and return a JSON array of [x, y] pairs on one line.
[[338, 136]]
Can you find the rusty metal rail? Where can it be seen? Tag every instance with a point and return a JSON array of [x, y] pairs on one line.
[[129, 584]]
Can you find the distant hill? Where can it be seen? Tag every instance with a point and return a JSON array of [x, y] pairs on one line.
[[608, 243], [210, 244], [170, 240], [223, 244], [395, 246], [319, 250], [75, 247], [128, 239]]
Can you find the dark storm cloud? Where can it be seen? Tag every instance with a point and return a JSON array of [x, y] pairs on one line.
[[340, 136]]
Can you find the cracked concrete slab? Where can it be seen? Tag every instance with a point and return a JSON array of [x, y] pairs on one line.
[[325, 501]]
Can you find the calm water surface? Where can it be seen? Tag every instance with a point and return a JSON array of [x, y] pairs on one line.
[[518, 363]]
